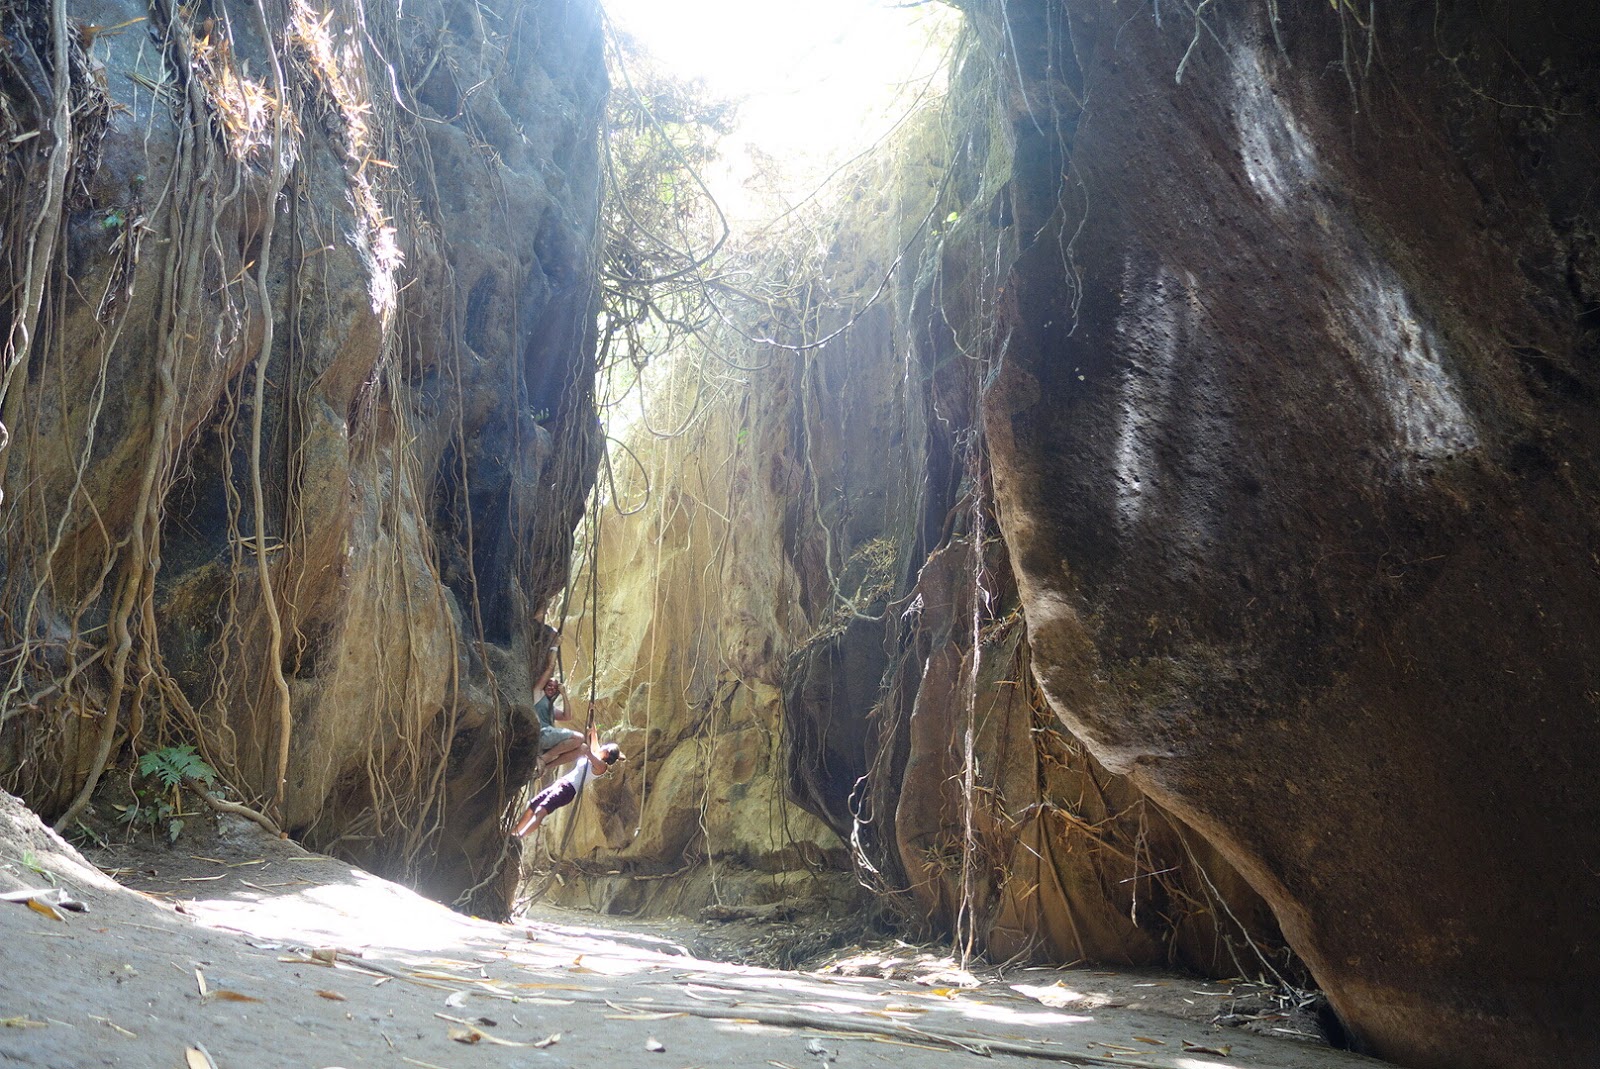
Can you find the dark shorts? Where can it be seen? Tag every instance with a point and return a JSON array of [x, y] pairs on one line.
[[553, 797]]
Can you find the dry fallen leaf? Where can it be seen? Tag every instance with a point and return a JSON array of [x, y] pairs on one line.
[[23, 1022], [332, 996], [49, 896], [41, 906], [654, 1045], [497, 1041], [232, 996], [471, 1033], [1195, 1048], [198, 1058], [200, 979], [456, 998], [1147, 1039]]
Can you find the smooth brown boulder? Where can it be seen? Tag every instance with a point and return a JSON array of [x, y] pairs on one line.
[[1296, 452]]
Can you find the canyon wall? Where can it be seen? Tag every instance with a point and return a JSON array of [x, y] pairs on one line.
[[813, 672], [298, 402], [1210, 493], [1159, 527]]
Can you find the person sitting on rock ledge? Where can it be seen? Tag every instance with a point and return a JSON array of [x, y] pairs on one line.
[[564, 790]]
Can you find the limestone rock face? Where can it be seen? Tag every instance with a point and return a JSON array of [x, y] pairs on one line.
[[304, 422], [1295, 451]]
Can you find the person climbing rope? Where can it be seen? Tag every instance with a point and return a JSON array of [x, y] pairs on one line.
[[601, 756]]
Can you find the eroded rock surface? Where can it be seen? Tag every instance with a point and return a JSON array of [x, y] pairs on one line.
[[795, 612], [350, 337], [1232, 408]]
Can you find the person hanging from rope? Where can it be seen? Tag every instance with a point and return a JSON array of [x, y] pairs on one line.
[[557, 744], [601, 756]]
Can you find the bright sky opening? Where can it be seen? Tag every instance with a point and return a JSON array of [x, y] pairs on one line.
[[819, 80]]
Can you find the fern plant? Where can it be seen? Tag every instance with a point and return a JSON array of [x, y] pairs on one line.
[[169, 766], [172, 764]]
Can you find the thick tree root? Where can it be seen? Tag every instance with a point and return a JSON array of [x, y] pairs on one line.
[[223, 806]]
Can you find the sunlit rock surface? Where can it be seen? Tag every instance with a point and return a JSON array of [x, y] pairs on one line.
[[1286, 370], [1232, 408]]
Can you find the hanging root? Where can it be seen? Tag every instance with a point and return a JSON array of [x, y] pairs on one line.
[[269, 601], [43, 231]]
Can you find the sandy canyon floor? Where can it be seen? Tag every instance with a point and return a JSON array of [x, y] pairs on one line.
[[234, 950]]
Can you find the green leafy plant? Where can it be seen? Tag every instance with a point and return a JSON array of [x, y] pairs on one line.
[[30, 861], [172, 764], [151, 813], [169, 767], [661, 229]]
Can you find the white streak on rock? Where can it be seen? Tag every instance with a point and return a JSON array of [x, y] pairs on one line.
[[1401, 357], [1401, 354], [1278, 158], [1148, 331]]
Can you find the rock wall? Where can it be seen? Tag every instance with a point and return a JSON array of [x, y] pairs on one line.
[[299, 402], [792, 609], [1231, 406], [687, 618], [1294, 450]]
